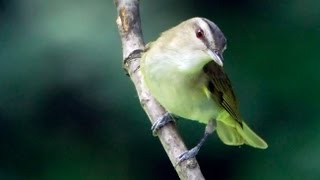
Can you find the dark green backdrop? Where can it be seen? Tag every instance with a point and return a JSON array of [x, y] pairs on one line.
[[67, 110]]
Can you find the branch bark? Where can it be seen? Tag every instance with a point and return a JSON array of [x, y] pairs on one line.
[[129, 26]]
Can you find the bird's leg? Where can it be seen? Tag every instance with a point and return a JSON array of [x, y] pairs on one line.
[[194, 151], [162, 121]]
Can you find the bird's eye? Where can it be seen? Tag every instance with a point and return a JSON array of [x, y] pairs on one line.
[[199, 33]]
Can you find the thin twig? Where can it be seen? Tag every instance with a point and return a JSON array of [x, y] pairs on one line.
[[129, 25]]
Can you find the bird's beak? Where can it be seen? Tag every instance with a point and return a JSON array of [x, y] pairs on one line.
[[216, 56]]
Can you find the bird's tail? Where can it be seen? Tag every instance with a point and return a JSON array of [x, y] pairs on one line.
[[232, 133]]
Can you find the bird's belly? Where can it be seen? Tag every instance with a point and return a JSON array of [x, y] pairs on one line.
[[186, 100]]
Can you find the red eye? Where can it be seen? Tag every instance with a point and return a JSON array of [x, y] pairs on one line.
[[199, 33]]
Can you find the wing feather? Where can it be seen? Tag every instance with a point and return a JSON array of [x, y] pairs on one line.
[[221, 89]]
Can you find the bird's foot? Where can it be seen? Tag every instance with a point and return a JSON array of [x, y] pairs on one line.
[[162, 121], [194, 151], [188, 154]]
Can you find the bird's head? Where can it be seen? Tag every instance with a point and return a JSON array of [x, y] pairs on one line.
[[197, 41]]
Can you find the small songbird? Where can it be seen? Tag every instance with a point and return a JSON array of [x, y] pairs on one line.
[[183, 70]]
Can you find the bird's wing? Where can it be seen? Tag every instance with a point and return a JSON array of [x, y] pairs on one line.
[[220, 87]]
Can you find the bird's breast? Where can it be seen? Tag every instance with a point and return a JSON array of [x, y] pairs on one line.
[[181, 94]]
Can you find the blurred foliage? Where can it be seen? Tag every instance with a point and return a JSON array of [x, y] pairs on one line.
[[67, 110]]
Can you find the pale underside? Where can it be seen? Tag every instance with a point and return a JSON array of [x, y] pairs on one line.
[[182, 94], [191, 103]]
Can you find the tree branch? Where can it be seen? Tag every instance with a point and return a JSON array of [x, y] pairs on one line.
[[129, 25]]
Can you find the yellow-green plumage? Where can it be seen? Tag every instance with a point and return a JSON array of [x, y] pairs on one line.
[[185, 80]]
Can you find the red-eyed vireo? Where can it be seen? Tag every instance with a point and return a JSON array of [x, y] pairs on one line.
[[183, 71]]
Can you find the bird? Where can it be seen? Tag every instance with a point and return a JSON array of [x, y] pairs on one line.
[[183, 70]]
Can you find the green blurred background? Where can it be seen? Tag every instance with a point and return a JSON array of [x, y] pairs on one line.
[[67, 110]]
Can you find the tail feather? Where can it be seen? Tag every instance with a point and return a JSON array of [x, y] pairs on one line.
[[228, 134], [250, 137], [232, 133]]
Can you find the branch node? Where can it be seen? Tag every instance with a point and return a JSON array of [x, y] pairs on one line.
[[124, 19], [144, 101]]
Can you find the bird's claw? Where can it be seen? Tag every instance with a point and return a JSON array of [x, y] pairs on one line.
[[162, 121], [188, 154]]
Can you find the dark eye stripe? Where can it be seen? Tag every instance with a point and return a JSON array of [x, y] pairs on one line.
[[220, 40]]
